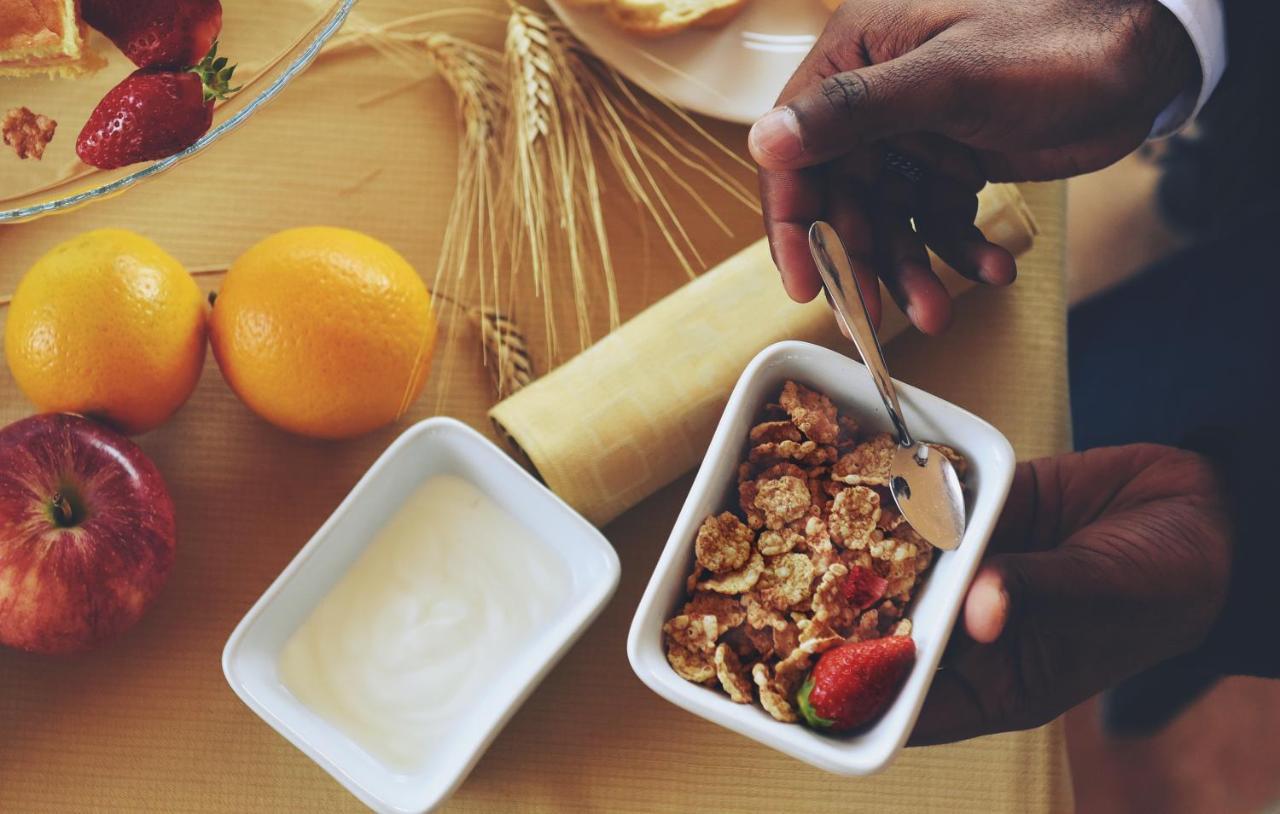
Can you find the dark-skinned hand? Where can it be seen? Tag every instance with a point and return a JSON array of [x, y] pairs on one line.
[[1104, 562], [969, 91]]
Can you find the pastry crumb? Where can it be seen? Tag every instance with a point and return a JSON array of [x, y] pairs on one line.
[[28, 133]]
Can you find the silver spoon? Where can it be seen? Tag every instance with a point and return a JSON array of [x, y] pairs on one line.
[[923, 482]]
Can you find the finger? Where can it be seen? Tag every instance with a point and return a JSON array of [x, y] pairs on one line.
[[968, 252], [1025, 510], [847, 214], [907, 274], [1027, 617], [855, 108], [986, 606], [792, 201], [945, 222], [952, 711]]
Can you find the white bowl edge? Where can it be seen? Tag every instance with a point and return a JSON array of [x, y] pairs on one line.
[[560, 635]]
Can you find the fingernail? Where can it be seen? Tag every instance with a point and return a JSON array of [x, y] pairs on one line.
[[990, 277], [993, 276], [777, 135]]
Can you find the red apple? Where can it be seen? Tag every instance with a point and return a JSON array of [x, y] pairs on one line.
[[86, 533]]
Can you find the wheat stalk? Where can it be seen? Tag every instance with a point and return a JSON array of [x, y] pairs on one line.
[[567, 108], [510, 366], [535, 151], [544, 123], [468, 265], [507, 356]]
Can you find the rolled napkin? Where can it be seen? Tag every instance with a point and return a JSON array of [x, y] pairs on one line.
[[659, 382]]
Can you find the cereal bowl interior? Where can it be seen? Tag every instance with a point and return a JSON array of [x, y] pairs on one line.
[[934, 605]]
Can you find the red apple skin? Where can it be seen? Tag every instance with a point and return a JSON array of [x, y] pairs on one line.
[[66, 589]]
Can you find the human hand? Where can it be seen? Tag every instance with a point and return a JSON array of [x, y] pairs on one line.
[[1104, 562], [969, 91]]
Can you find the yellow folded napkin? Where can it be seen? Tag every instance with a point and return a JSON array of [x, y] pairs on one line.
[[636, 410]]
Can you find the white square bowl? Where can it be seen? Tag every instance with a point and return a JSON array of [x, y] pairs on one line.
[[934, 608], [436, 446]]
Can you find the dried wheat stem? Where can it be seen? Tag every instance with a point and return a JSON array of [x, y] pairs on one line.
[[468, 261], [510, 366], [537, 153], [539, 140]]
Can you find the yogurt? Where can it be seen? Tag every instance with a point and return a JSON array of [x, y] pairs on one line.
[[445, 594]]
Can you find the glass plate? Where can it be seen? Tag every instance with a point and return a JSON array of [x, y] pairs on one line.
[[270, 42]]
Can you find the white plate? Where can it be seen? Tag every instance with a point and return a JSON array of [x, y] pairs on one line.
[[433, 447], [734, 72], [933, 610]]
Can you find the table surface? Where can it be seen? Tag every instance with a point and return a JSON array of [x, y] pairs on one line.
[[148, 723]]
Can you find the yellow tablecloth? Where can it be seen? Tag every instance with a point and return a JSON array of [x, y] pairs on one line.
[[148, 724]]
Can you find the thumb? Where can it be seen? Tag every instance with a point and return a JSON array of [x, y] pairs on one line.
[[1048, 584], [846, 110]]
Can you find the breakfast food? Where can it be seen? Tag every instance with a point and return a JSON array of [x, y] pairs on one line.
[[851, 685], [659, 18], [43, 37], [814, 560], [158, 33], [28, 133], [107, 324], [87, 534], [154, 113], [324, 332], [444, 599]]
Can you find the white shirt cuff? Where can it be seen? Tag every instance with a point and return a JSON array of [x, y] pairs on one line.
[[1206, 26]]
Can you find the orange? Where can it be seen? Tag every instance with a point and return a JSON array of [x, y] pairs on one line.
[[110, 326], [324, 332]]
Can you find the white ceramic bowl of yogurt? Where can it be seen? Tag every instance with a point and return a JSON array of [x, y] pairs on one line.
[[405, 634], [933, 609]]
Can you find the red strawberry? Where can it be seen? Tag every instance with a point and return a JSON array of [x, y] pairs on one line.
[[851, 685], [157, 33], [863, 587], [154, 114]]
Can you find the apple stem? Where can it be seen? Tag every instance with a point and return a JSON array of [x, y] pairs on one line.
[[64, 513]]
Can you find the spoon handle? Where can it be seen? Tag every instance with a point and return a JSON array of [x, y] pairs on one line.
[[851, 310]]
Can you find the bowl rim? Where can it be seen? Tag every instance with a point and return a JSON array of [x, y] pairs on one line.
[[581, 610], [644, 641]]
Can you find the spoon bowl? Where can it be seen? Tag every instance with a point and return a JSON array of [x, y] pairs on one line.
[[923, 482], [928, 493]]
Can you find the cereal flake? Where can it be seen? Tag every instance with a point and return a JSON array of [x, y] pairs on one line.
[[854, 514], [812, 412], [723, 543], [772, 697], [739, 581], [787, 581], [782, 500], [772, 543], [773, 432], [869, 462], [728, 611], [732, 677]]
